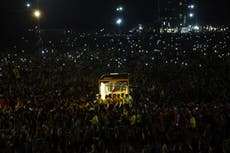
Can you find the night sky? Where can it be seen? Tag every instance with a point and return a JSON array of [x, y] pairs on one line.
[[94, 14]]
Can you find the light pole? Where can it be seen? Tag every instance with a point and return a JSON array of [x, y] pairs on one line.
[[193, 14], [37, 14], [119, 18]]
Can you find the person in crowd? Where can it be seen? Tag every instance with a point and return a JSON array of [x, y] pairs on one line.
[[179, 101]]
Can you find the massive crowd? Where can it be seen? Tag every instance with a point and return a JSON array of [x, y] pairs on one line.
[[179, 85]]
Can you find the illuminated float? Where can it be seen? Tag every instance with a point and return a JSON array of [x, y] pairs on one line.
[[113, 84]]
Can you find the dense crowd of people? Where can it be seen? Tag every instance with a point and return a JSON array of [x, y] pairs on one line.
[[179, 88]]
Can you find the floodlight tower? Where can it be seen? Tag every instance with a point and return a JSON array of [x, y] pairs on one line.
[[119, 16], [192, 15], [38, 14]]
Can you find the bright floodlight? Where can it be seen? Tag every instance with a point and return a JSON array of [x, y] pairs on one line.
[[140, 27], [192, 6], [191, 15], [37, 13], [119, 9], [196, 27], [28, 5], [119, 21]]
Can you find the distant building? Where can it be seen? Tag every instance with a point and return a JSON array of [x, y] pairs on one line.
[[177, 13]]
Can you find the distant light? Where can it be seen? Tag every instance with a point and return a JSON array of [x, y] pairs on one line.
[[119, 21], [28, 5], [196, 27], [120, 8], [37, 13], [191, 15], [140, 27], [191, 6], [43, 51]]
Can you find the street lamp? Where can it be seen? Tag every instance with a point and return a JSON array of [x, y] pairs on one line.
[[37, 14]]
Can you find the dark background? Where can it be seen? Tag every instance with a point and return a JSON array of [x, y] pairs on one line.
[[88, 15]]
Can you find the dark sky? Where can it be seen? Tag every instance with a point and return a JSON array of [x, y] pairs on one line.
[[91, 14]]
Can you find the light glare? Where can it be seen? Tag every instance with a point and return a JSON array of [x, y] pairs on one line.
[[196, 27], [28, 5], [37, 13], [119, 21], [140, 27], [119, 9], [192, 6]]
